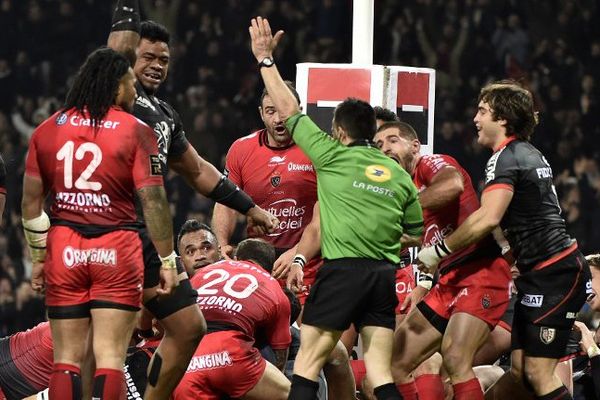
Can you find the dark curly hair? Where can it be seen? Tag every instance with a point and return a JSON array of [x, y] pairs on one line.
[[510, 101], [97, 83]]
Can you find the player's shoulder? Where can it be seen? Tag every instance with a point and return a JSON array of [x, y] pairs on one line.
[[251, 140]]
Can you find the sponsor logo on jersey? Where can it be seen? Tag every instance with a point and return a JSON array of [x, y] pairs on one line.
[[276, 160], [222, 302], [490, 168], [292, 167], [76, 120], [144, 102], [378, 173], [373, 188], [434, 234], [571, 315], [155, 165], [547, 335], [61, 119], [74, 257], [532, 300], [210, 361], [86, 202], [289, 214], [544, 173]]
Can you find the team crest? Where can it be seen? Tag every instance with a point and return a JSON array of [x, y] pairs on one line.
[[547, 335], [378, 173], [275, 180], [486, 301]]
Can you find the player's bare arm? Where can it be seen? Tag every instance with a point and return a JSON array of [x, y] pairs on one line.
[[124, 35], [197, 172], [35, 222], [281, 358], [263, 45], [479, 224], [447, 185], [307, 248], [311, 246], [407, 241], [223, 224], [205, 178], [157, 216]]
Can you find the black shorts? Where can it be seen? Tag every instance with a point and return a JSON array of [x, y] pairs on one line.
[[183, 296], [12, 382], [547, 304], [352, 290]]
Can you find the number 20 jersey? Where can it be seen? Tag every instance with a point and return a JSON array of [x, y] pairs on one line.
[[243, 295], [90, 172]]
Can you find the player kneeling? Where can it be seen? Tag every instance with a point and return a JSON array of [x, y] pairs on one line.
[[239, 299]]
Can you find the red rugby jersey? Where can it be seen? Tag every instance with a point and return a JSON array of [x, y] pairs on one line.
[[32, 353], [242, 294], [92, 173], [280, 180], [439, 224]]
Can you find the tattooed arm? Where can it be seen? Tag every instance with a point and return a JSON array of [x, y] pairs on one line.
[[157, 215]]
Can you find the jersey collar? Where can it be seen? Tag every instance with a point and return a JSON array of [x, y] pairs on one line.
[[363, 142], [505, 142], [263, 140]]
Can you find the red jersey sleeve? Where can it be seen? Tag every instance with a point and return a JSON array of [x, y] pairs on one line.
[[233, 169], [147, 169], [278, 327], [32, 167], [431, 165]]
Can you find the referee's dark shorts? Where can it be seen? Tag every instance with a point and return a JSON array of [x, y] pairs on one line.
[[352, 290]]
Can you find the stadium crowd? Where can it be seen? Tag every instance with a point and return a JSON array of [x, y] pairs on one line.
[[551, 46]]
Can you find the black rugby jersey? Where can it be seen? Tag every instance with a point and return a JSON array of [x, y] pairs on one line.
[[167, 126], [165, 122], [532, 223]]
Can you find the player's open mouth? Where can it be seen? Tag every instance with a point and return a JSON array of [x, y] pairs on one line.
[[152, 77], [280, 130]]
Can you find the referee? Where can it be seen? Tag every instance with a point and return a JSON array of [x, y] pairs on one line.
[[367, 201]]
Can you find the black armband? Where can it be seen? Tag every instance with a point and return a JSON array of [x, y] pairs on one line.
[[228, 194], [126, 16]]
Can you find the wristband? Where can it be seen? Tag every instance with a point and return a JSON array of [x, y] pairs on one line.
[[169, 262], [593, 351], [425, 280], [300, 260], [36, 233], [442, 250], [230, 195], [126, 16]]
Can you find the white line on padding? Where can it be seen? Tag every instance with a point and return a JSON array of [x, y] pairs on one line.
[[412, 108]]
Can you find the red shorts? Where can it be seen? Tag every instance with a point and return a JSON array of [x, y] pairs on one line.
[[225, 364], [310, 274], [80, 270], [405, 283], [359, 371], [479, 287]]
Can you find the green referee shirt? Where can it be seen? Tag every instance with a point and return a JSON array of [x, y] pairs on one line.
[[367, 201]]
